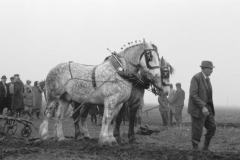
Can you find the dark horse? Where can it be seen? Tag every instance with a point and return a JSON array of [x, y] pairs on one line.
[[133, 104]]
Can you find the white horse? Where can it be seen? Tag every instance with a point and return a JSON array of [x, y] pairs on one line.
[[99, 84]]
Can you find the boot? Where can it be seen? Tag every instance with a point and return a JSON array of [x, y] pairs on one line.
[[206, 144]]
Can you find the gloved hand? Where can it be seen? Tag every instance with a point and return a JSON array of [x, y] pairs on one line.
[[205, 111]]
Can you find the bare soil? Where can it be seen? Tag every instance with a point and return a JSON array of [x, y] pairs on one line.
[[171, 143]]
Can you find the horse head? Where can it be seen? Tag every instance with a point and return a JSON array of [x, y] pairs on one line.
[[144, 57], [166, 70]]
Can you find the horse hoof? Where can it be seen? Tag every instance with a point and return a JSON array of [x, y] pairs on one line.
[[109, 141], [119, 140], [61, 139], [79, 137], [45, 137], [105, 141], [132, 140], [87, 138], [37, 142]]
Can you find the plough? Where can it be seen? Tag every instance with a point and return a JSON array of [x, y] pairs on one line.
[[146, 111], [10, 125]]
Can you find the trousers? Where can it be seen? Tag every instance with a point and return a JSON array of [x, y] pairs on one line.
[[178, 114], [197, 127], [165, 119]]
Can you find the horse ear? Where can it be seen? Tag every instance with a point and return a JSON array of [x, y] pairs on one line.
[[144, 43]]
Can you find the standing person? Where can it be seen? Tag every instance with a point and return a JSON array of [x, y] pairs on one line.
[[178, 103], [17, 101], [10, 88], [28, 84], [29, 102], [3, 94], [93, 112], [163, 108], [201, 107], [170, 101], [37, 90]]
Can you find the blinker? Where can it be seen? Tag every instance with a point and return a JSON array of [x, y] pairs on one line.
[[165, 73]]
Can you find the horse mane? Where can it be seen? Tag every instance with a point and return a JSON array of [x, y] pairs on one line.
[[131, 47], [172, 70]]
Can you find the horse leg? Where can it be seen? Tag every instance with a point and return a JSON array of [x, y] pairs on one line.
[[43, 129], [118, 123], [113, 119], [62, 108], [111, 109], [83, 123], [76, 118], [133, 111]]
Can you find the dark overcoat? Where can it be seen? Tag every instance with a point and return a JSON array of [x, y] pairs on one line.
[[3, 99], [198, 95], [2, 90], [94, 110], [17, 100]]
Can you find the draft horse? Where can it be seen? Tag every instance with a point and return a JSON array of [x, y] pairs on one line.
[[136, 99], [140, 83], [100, 84]]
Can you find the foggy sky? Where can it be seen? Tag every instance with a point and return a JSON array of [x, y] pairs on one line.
[[36, 35]]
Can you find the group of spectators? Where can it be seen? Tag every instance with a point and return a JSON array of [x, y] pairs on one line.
[[172, 105], [19, 100]]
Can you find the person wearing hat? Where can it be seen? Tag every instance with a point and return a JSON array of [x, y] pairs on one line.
[[10, 89], [28, 84], [17, 100], [178, 103], [200, 106], [164, 109], [3, 93]]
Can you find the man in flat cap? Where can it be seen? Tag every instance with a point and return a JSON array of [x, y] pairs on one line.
[[10, 88], [201, 107], [3, 93], [17, 101]]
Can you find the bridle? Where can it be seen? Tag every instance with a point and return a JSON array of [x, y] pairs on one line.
[[148, 57], [165, 75]]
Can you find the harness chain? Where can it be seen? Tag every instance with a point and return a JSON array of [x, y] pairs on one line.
[[93, 78]]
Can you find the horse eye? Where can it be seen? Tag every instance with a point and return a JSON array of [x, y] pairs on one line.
[[149, 55]]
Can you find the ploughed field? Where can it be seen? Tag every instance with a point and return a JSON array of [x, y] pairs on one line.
[[170, 143]]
